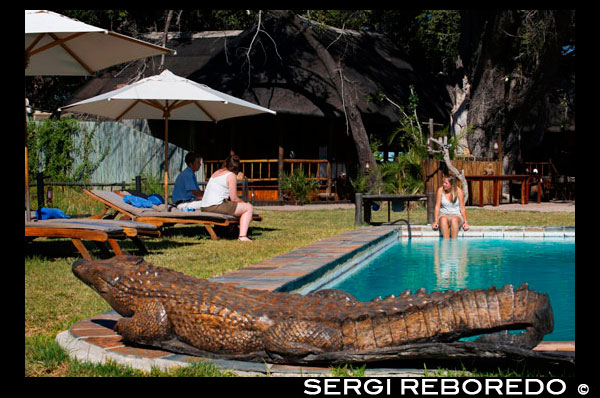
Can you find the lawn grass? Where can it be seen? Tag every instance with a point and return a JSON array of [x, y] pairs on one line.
[[55, 299]]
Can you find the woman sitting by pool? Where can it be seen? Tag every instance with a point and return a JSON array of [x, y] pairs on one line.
[[449, 213]]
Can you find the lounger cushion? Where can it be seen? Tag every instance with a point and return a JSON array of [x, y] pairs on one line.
[[66, 224], [115, 223], [174, 213], [118, 201]]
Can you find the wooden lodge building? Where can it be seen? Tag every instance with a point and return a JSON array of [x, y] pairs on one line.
[[284, 73]]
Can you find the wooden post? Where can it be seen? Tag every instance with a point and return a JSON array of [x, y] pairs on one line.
[[430, 207], [27, 200], [430, 128], [280, 166], [358, 209], [328, 190], [245, 189], [330, 156], [40, 189], [166, 115]]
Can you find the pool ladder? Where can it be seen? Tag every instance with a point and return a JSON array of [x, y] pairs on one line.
[[407, 224]]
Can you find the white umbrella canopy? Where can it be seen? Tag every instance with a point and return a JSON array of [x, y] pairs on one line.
[[183, 99], [56, 45], [62, 46], [166, 96]]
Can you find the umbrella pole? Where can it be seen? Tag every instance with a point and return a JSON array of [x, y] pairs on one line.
[[166, 158], [27, 202]]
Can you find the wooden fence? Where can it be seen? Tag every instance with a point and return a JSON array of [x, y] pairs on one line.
[[434, 170]]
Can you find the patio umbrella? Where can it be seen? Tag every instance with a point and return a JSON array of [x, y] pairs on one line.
[[58, 45], [166, 96]]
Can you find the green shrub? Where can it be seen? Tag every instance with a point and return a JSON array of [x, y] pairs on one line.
[[50, 144], [298, 185], [51, 149]]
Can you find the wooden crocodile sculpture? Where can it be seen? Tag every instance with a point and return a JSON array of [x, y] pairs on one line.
[[164, 308]]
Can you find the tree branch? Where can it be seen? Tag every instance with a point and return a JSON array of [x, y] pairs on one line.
[[444, 150], [164, 42], [258, 30]]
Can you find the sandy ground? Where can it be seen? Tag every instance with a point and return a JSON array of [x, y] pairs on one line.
[[567, 206]]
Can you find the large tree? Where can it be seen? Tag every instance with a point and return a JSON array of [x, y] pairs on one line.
[[511, 60], [348, 96]]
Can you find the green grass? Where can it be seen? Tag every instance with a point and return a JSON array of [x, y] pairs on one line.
[[55, 299], [487, 217]]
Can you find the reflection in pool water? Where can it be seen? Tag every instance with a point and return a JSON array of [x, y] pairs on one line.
[[548, 265]]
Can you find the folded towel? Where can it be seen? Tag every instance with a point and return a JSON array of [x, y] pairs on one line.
[[136, 201], [45, 213], [156, 199]]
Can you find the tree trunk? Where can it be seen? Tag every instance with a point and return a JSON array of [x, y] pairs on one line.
[[510, 58], [460, 94], [348, 96], [165, 37]]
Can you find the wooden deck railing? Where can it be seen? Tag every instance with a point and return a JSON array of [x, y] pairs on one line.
[[267, 169]]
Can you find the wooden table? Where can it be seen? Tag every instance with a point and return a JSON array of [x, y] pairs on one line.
[[524, 179], [366, 201]]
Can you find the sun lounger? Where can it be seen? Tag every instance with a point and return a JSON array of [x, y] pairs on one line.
[[158, 216], [59, 228], [101, 231], [132, 229]]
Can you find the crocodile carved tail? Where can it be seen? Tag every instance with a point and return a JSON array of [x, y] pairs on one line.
[[448, 316]]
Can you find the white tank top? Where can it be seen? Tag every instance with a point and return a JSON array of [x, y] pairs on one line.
[[448, 207], [216, 191]]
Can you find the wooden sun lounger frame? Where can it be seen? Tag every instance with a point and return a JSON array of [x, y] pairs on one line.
[[164, 221], [78, 229], [77, 235], [131, 230]]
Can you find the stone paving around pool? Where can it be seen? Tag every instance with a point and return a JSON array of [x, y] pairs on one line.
[[94, 340]]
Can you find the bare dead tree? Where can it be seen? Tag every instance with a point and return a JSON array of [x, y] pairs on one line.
[[259, 29], [165, 37], [348, 97], [444, 150]]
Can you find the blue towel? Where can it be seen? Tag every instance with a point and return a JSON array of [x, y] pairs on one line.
[[45, 213], [156, 199], [136, 201]]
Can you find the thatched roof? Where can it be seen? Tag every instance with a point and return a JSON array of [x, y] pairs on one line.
[[287, 76]]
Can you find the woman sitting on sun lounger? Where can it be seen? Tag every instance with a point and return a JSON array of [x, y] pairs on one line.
[[221, 196]]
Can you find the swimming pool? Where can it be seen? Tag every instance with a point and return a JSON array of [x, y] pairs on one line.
[[548, 265]]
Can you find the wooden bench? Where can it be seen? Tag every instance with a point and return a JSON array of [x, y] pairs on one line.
[[524, 179]]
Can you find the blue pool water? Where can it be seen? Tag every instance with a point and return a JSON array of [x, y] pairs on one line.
[[548, 265]]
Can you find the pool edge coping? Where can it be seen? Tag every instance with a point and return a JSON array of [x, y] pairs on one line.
[[282, 272]]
